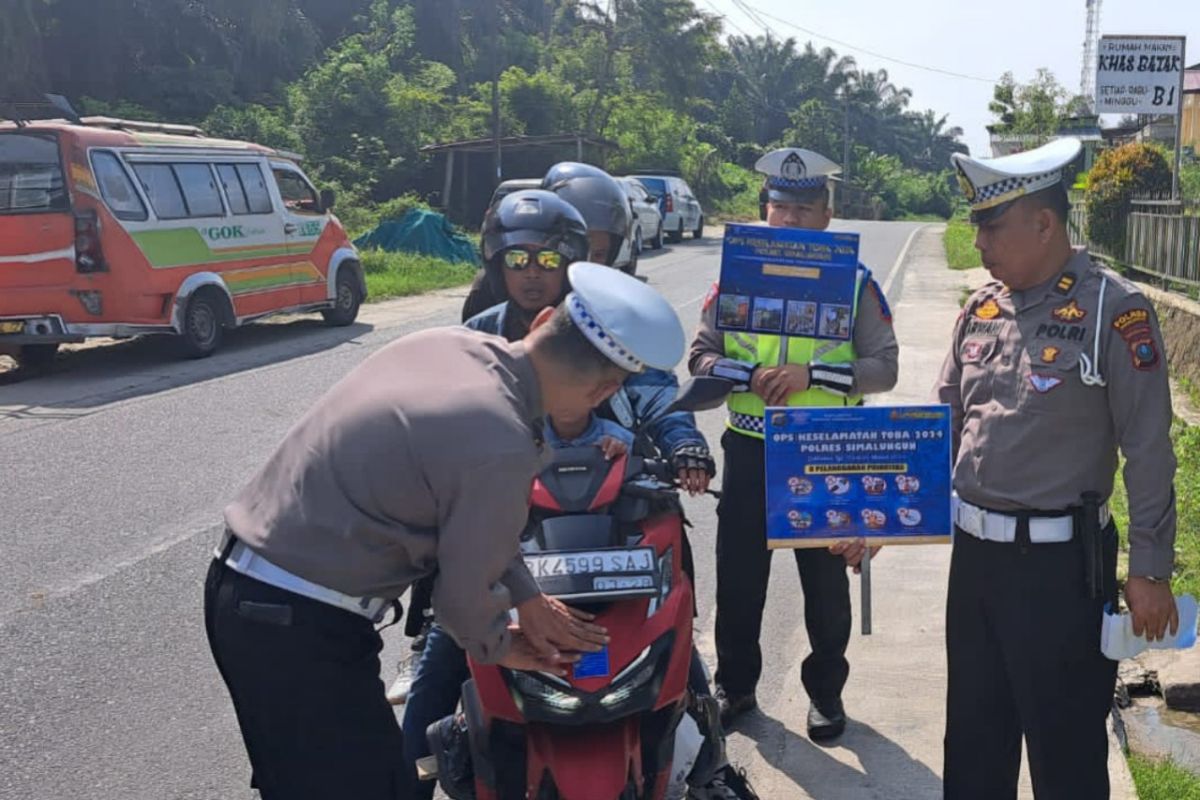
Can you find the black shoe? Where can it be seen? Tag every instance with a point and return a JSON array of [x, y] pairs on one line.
[[734, 706], [727, 784], [826, 720], [448, 742]]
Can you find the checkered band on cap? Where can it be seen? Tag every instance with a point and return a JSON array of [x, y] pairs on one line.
[[586, 321], [784, 184], [1011, 188]]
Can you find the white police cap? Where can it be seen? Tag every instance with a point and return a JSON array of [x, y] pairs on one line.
[[793, 171], [990, 185], [624, 318]]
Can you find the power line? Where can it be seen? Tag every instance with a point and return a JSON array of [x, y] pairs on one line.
[[757, 16], [726, 18]]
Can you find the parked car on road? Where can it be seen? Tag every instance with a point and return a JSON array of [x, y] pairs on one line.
[[515, 185], [117, 228], [647, 219], [680, 209]]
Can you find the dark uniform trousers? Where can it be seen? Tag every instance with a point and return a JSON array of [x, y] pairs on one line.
[[743, 572], [304, 679], [1023, 645]]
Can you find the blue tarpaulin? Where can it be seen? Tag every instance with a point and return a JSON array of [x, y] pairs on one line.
[[421, 231]]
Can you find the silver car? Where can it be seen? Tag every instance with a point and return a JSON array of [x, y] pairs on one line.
[[647, 219]]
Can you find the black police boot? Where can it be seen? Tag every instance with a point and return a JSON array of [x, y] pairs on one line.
[[826, 720], [734, 706]]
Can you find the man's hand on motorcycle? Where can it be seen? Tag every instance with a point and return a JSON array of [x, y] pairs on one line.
[[693, 481], [775, 384], [522, 655], [853, 552], [553, 628]]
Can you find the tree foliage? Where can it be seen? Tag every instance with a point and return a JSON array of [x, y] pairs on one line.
[[1117, 177], [359, 86]]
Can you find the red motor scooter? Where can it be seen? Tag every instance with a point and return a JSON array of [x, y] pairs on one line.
[[605, 537]]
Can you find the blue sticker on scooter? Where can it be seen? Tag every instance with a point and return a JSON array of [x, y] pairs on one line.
[[592, 665]]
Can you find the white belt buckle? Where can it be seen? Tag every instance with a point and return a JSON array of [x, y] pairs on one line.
[[970, 519]]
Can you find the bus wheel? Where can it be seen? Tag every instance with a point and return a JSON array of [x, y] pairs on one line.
[[345, 305], [202, 325], [36, 356]]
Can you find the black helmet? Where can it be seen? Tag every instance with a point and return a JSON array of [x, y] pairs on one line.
[[535, 217], [599, 198], [530, 217]]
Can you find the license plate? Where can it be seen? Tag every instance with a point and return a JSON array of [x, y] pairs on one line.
[[591, 562], [12, 327]]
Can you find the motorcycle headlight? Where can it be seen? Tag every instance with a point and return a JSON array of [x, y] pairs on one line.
[[560, 700], [545, 698], [632, 678]]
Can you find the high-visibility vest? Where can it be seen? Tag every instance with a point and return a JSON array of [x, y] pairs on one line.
[[746, 409]]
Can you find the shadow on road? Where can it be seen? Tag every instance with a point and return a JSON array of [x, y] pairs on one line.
[[92, 376], [887, 769]]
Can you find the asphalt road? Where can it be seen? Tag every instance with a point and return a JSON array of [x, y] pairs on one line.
[[115, 469]]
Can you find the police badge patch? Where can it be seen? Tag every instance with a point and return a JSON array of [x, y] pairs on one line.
[[793, 168], [1044, 383], [989, 310], [1071, 312]]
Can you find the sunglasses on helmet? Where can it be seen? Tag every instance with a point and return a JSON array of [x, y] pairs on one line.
[[518, 259]]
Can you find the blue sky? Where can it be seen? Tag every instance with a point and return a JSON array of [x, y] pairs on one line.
[[982, 40]]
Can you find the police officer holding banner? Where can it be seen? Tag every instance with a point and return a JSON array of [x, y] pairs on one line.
[[792, 371], [1054, 365], [420, 459]]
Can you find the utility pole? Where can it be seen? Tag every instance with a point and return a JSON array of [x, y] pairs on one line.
[[846, 135], [494, 36]]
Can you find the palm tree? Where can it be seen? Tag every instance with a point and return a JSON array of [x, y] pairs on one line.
[[937, 142], [770, 75]]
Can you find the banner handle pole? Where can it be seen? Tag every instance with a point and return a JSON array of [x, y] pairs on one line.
[[866, 592]]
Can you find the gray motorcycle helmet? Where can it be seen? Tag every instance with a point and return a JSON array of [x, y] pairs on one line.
[[597, 196]]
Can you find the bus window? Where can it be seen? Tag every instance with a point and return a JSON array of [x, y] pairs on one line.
[[199, 190], [257, 195], [158, 181], [117, 189], [233, 188], [31, 177], [297, 195]]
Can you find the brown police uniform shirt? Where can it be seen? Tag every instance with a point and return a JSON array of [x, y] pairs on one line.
[[877, 354], [1031, 434], [421, 458]]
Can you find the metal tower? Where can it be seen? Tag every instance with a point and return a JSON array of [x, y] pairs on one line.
[[1091, 48]]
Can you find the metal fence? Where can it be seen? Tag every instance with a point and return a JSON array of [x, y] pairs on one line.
[[1161, 239], [1164, 245]]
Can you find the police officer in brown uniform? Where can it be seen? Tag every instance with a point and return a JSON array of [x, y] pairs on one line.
[[420, 459], [796, 371], [1054, 365]]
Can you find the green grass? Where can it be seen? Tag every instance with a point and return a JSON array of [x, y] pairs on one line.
[[959, 240], [1162, 780], [907, 217], [1187, 497], [403, 274]]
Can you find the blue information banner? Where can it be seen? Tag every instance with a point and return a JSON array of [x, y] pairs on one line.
[[788, 282], [875, 472]]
